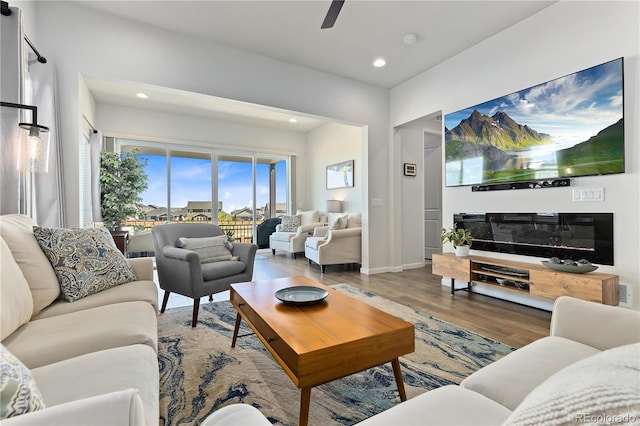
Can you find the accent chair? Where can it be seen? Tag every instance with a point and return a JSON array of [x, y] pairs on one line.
[[340, 243], [182, 270], [293, 231]]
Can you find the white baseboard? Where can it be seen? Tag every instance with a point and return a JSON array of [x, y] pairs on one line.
[[394, 269]]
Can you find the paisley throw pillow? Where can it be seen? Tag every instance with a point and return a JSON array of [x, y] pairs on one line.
[[290, 223], [85, 261], [18, 391]]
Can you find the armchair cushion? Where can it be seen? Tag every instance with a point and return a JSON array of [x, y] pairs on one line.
[[314, 242], [209, 249], [85, 261], [18, 390], [290, 223], [282, 236], [226, 268]]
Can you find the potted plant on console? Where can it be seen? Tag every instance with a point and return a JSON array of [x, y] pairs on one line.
[[460, 238]]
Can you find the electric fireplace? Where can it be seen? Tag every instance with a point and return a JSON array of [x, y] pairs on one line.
[[563, 235]]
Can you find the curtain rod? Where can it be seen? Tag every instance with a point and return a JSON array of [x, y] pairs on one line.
[[5, 11], [88, 123]]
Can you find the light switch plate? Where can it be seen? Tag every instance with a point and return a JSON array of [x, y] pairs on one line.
[[588, 195]]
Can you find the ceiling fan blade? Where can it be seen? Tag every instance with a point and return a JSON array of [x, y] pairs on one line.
[[332, 14]]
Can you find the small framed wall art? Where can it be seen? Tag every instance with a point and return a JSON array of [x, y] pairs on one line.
[[409, 169], [340, 175]]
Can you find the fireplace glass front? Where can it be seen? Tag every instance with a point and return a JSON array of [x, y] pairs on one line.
[[563, 235]]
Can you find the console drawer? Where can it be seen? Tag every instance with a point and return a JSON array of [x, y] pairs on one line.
[[552, 284]]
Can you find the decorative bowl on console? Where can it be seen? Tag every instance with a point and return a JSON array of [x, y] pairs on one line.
[[582, 266]]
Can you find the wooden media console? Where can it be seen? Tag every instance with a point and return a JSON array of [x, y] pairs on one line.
[[526, 278]]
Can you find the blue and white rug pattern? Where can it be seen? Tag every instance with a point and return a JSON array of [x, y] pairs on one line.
[[199, 372]]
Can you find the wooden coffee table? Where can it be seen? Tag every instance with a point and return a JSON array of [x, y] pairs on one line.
[[319, 343]]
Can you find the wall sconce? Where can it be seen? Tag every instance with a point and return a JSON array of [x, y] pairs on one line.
[[33, 155], [334, 206]]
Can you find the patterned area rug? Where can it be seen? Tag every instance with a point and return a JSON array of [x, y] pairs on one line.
[[199, 372]]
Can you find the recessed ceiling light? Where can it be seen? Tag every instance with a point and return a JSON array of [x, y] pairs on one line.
[[293, 120], [379, 63], [141, 95]]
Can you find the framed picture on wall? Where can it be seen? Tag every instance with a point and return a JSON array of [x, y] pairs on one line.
[[340, 175]]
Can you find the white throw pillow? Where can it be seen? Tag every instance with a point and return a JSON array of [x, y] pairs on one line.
[[601, 389], [339, 223], [355, 220], [308, 217], [16, 304], [18, 391], [17, 231], [209, 249]]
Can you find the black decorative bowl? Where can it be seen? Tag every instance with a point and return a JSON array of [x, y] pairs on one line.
[[574, 269]]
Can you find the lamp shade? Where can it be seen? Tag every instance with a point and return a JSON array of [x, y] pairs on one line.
[[34, 149], [334, 206]]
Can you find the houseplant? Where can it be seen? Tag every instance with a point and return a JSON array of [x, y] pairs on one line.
[[122, 179], [460, 238]]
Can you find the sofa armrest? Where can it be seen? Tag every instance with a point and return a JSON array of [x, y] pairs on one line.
[[115, 408], [142, 268], [246, 252], [236, 414], [176, 253], [599, 326], [344, 233]]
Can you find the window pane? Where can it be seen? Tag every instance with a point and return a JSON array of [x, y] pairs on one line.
[[190, 197], [235, 193]]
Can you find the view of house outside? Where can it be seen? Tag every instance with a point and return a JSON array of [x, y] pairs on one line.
[[188, 192]]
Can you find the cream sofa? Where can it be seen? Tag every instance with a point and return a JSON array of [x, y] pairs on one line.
[[93, 360], [340, 243], [586, 371], [293, 241]]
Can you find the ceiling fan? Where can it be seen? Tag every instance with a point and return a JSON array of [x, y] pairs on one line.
[[332, 14]]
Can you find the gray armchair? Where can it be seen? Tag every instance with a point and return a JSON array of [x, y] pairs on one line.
[[180, 270]]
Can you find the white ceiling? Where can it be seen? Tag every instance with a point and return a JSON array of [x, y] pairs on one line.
[[365, 30]]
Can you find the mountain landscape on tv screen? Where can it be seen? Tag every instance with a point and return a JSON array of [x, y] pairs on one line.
[[506, 148]]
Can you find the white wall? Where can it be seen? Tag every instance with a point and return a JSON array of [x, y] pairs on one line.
[[82, 42], [329, 144], [562, 39]]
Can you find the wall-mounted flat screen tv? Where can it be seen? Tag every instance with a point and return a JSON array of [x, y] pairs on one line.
[[568, 127]]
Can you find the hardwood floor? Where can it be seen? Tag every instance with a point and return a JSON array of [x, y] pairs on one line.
[[510, 323]]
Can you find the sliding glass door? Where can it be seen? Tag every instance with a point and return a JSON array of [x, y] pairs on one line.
[[236, 190]]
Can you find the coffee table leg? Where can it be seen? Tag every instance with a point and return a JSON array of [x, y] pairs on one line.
[[396, 371], [235, 330], [305, 400]]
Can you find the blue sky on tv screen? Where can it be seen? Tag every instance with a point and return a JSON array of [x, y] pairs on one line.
[[571, 109], [191, 181]]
